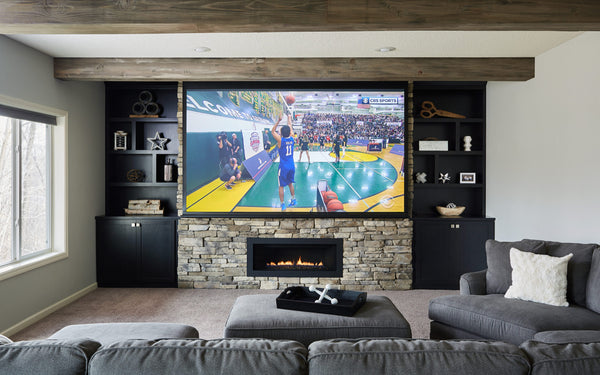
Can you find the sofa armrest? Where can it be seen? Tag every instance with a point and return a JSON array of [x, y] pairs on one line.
[[473, 283]]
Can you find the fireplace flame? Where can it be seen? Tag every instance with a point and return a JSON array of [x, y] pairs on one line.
[[299, 262]]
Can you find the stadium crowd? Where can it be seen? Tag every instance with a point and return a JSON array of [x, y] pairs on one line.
[[352, 126]]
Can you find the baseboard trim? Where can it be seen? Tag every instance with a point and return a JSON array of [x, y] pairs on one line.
[[49, 310]]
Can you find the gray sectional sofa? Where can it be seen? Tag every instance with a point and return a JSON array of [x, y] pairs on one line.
[[326, 357], [482, 312]]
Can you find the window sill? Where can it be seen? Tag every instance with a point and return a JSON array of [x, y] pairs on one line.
[[18, 268]]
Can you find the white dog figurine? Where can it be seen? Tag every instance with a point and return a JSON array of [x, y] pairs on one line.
[[323, 294]]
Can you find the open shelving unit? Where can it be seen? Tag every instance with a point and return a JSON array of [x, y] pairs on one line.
[[467, 99], [138, 155]]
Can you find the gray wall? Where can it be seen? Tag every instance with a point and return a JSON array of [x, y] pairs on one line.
[[544, 146], [28, 75]]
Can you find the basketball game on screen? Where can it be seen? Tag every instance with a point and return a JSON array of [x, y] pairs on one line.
[[294, 151]]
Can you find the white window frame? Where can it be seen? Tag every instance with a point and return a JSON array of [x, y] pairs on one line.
[[17, 236], [58, 204]]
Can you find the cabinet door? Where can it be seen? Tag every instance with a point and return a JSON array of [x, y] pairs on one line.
[[436, 256], [444, 249], [472, 236], [157, 252], [116, 252]]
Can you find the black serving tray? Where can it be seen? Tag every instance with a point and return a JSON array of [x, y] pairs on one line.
[[300, 298]]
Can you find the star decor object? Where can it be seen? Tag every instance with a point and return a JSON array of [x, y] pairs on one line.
[[444, 178], [157, 142]]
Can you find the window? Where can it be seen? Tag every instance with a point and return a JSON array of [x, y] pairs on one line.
[[25, 189], [33, 188]]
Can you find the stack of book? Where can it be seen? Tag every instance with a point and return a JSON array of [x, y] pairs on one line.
[[144, 207]]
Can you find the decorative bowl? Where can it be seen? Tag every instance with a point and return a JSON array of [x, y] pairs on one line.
[[446, 211]]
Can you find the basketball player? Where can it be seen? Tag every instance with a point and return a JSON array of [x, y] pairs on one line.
[[336, 148], [287, 168], [304, 148]]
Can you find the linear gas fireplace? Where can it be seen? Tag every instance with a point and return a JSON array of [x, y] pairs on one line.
[[295, 257]]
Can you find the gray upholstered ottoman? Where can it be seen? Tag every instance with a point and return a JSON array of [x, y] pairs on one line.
[[107, 333], [257, 316]]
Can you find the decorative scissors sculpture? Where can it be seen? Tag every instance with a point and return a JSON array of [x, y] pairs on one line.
[[428, 110]]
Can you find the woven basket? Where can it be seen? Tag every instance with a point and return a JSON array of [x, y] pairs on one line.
[[445, 211]]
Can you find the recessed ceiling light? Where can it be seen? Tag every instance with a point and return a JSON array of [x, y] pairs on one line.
[[386, 49], [202, 49]]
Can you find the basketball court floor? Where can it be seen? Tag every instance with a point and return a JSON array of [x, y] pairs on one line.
[[363, 181]]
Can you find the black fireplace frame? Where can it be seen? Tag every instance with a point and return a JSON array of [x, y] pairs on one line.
[[252, 242]]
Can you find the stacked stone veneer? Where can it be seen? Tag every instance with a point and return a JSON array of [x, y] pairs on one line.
[[377, 252]]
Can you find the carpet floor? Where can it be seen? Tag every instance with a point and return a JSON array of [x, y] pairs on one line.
[[205, 309]]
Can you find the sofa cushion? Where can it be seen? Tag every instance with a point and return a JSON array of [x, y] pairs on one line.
[[593, 284], [48, 357], [4, 340], [560, 359], [579, 267], [498, 275], [509, 320], [196, 356], [398, 356], [107, 333], [538, 278], [567, 336]]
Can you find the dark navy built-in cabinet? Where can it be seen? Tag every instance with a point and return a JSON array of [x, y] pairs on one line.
[[136, 251], [139, 250], [446, 247]]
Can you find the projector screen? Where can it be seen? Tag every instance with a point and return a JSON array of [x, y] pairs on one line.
[[294, 149]]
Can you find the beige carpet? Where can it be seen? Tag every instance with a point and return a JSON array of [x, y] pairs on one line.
[[205, 309]]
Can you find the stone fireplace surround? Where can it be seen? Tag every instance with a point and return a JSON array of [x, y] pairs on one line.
[[377, 253]]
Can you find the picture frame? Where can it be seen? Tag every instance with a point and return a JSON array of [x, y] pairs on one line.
[[468, 178]]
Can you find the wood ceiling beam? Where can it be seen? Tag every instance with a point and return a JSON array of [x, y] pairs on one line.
[[206, 16], [297, 69]]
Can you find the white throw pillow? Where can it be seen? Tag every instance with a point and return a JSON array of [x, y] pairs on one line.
[[538, 278]]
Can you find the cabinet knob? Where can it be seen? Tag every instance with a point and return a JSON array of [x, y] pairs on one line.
[[133, 225], [455, 226]]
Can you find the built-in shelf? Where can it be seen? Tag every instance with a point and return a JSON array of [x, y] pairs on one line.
[[467, 99], [138, 155], [143, 184], [434, 120], [143, 119], [448, 186], [143, 152], [448, 153]]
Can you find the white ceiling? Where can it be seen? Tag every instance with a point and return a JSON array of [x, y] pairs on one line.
[[301, 44]]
